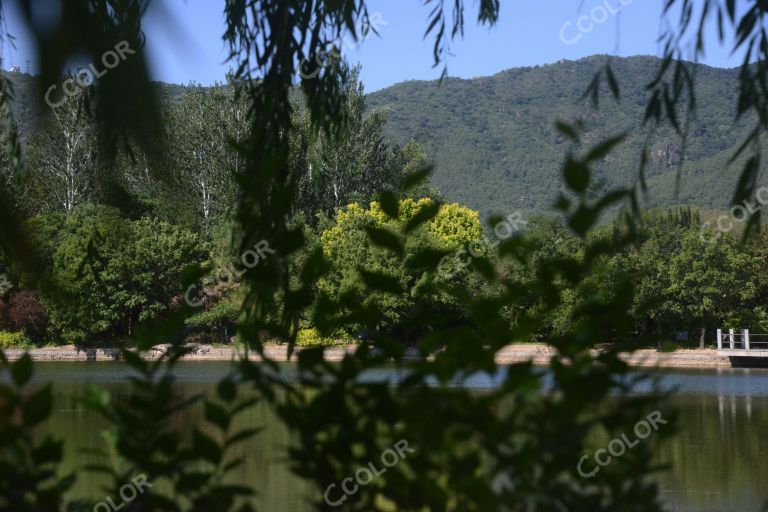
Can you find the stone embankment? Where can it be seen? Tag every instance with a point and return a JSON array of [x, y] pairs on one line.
[[538, 353]]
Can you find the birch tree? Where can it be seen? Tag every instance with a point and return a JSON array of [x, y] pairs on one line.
[[202, 124], [352, 165], [64, 157], [12, 178], [7, 174]]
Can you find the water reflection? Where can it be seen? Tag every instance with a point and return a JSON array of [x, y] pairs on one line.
[[264, 465], [717, 459]]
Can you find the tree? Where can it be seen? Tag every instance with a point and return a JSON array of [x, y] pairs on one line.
[[348, 163], [11, 178], [354, 258], [688, 277], [63, 158], [5, 320], [136, 271], [755, 313], [5, 280], [204, 123], [708, 280]]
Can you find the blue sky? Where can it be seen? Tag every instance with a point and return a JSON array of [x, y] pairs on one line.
[[530, 32]]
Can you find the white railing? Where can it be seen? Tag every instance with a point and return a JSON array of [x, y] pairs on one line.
[[743, 340]]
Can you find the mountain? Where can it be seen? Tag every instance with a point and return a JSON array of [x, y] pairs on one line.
[[30, 109], [495, 147]]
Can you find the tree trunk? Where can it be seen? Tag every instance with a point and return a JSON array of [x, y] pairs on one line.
[[701, 339]]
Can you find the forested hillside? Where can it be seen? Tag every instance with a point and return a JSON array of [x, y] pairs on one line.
[[31, 111], [496, 149]]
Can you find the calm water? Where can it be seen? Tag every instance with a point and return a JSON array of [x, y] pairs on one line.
[[718, 458]]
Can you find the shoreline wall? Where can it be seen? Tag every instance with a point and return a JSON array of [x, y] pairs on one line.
[[539, 354]]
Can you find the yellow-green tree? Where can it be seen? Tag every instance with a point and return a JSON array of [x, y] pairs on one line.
[[362, 244]]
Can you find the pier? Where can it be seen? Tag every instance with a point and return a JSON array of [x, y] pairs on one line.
[[741, 343]]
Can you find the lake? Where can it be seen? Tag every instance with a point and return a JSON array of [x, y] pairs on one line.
[[718, 458]]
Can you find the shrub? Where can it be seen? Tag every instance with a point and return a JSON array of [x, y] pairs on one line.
[[312, 338], [214, 325], [28, 315], [14, 340], [5, 318], [222, 313], [5, 283]]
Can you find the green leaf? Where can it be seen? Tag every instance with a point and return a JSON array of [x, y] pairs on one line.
[[48, 452], [66, 483], [21, 371], [216, 415], [243, 435], [753, 226], [205, 447], [583, 219], [485, 268], [428, 258], [135, 360], [96, 397], [613, 84], [98, 468], [747, 180], [576, 175], [193, 480], [311, 357], [389, 204], [426, 213], [611, 198], [416, 177], [37, 407], [381, 282], [383, 238], [227, 389], [240, 490], [567, 130], [601, 150], [562, 203]]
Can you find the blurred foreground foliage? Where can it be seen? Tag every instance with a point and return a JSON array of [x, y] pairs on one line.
[[515, 447]]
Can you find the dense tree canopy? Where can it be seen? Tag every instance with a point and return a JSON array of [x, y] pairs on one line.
[[135, 271]]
